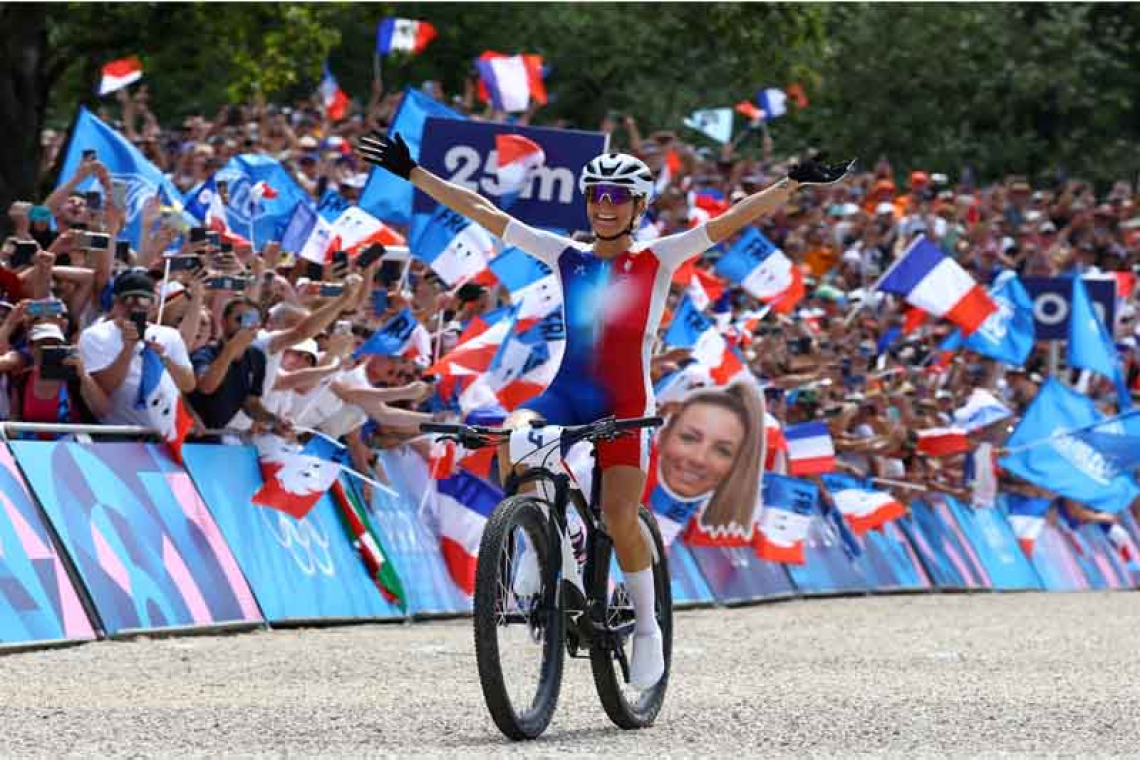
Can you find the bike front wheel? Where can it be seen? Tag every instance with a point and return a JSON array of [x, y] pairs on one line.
[[518, 626], [627, 707]]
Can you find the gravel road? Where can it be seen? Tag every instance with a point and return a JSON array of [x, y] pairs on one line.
[[904, 676]]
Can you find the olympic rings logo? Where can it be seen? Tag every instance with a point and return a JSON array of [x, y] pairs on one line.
[[303, 539]]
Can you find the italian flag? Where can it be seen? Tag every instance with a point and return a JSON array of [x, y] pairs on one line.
[[360, 532]]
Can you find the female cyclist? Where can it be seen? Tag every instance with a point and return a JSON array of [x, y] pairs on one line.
[[614, 293]]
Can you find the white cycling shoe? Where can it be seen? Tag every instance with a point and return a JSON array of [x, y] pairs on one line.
[[647, 663], [528, 577]]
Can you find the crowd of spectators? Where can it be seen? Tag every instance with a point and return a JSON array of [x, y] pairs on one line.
[[277, 352]]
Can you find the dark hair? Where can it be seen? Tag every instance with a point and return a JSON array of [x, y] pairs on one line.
[[234, 304]]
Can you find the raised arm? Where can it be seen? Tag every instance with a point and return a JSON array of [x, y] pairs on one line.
[[748, 210], [392, 154]]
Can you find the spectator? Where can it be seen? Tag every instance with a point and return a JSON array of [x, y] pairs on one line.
[[76, 399], [111, 350]]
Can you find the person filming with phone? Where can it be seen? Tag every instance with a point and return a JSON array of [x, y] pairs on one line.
[[112, 349], [56, 388]]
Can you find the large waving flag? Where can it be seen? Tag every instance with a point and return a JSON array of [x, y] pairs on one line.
[[354, 520], [456, 248], [125, 163], [386, 196], [510, 82], [396, 337], [515, 269], [269, 216], [929, 279], [165, 409], [772, 101], [526, 361], [355, 229], [462, 505], [1047, 454], [518, 159], [402, 35], [810, 450], [692, 329], [1009, 333], [703, 287], [763, 270], [119, 74], [206, 204], [943, 441], [333, 99], [296, 477], [1027, 518], [1090, 343], [789, 504]]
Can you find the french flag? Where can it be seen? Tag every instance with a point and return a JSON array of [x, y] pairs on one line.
[[691, 329], [402, 35], [763, 270], [162, 402], [810, 450], [518, 159], [526, 362], [784, 520], [773, 102], [705, 206], [1027, 518], [749, 111], [463, 503], [703, 287], [454, 247], [533, 287], [353, 231], [334, 99], [775, 445], [296, 477], [864, 508], [119, 74], [942, 442], [509, 82], [929, 279], [402, 335]]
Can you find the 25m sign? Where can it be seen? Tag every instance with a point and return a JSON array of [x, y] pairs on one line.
[[463, 152]]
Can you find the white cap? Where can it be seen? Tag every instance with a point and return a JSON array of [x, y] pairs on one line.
[[169, 290], [355, 180], [309, 347], [884, 208], [46, 330]]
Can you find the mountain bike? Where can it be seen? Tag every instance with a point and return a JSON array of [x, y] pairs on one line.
[[536, 600]]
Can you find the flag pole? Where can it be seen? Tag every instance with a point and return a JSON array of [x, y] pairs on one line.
[[866, 293], [162, 295]]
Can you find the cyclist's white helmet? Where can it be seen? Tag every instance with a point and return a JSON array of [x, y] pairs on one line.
[[618, 169]]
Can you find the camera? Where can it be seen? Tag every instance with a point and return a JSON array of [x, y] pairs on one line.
[[94, 241], [370, 255], [23, 253], [249, 319], [123, 250], [52, 365], [45, 308], [197, 235], [185, 263], [138, 318], [226, 282], [330, 290], [89, 154]]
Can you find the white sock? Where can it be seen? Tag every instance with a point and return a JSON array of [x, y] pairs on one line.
[[643, 595]]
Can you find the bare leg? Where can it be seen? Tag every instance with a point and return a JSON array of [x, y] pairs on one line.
[[622, 487]]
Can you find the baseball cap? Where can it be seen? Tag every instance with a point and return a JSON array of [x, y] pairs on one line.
[[44, 331], [884, 208], [307, 347], [134, 282], [919, 178]]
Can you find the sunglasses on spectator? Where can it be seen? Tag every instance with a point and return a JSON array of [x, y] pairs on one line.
[[617, 194]]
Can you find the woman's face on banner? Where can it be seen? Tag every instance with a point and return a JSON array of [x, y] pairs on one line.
[[700, 449]]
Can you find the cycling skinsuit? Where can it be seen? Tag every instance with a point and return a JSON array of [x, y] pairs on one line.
[[612, 309]]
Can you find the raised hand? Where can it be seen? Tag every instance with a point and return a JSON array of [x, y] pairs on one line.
[[815, 171], [389, 153]]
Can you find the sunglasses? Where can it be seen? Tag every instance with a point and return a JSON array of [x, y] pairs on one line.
[[617, 194]]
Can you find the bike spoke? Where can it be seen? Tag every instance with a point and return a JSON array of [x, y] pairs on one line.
[[521, 618]]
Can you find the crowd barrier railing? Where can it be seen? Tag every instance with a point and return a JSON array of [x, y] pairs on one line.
[[106, 539]]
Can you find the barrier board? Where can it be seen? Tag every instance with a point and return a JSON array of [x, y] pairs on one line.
[[941, 572], [962, 573], [889, 561], [298, 569], [997, 547], [38, 602], [962, 546], [1055, 562], [829, 565], [737, 575], [689, 586], [148, 552]]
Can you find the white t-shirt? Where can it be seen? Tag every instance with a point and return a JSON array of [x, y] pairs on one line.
[[322, 409], [274, 401], [99, 346]]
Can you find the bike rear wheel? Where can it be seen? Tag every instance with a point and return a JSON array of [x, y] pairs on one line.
[[627, 707], [518, 628]]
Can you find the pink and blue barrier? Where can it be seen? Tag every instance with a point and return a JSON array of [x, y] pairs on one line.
[[106, 539]]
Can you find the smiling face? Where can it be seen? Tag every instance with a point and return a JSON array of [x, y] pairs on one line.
[[699, 449], [611, 213]]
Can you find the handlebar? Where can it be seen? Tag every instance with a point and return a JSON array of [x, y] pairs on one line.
[[474, 436]]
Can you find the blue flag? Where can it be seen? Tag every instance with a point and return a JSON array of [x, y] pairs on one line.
[[1090, 344], [393, 337], [125, 163], [688, 325], [1009, 333], [1065, 463], [325, 448], [152, 370], [745, 256], [386, 196], [454, 246], [269, 216], [332, 205], [299, 227]]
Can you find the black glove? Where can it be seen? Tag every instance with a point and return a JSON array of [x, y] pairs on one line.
[[389, 153], [814, 171]]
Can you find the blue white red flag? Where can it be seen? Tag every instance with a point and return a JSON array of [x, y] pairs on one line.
[[462, 505], [863, 507], [456, 248], [810, 450], [773, 102], [518, 159], [333, 99], [510, 82], [929, 279], [692, 329], [251, 208], [165, 409], [119, 74], [789, 504], [943, 441], [402, 335], [296, 477], [402, 35], [763, 270], [1027, 518], [1009, 333]]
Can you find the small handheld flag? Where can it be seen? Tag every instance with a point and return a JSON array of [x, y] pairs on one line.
[[119, 74], [402, 35]]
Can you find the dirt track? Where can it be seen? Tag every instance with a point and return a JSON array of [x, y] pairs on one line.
[[901, 676]]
